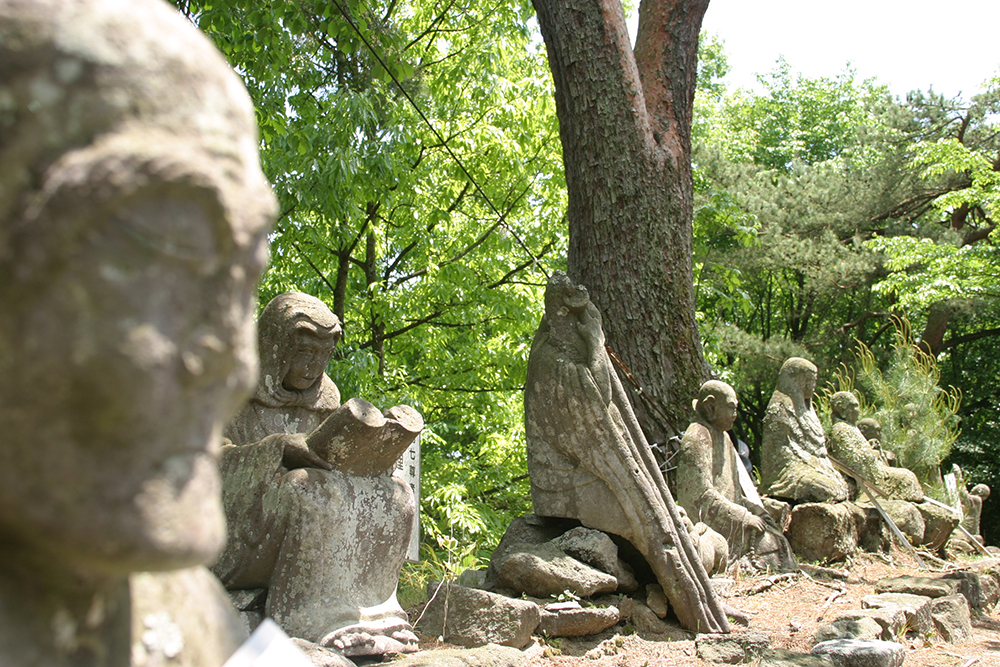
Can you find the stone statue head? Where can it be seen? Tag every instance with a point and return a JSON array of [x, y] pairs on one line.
[[980, 490], [297, 334], [797, 379], [870, 428], [845, 407], [133, 223], [717, 404]]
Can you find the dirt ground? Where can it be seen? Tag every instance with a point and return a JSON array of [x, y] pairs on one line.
[[789, 611]]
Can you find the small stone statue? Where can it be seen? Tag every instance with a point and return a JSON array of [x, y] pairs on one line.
[[872, 430], [972, 511], [315, 514], [133, 228], [589, 460], [708, 484], [848, 445], [794, 463]]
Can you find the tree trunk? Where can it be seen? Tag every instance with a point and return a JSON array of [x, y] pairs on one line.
[[625, 124]]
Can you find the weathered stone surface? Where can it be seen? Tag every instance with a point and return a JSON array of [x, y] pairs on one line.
[[472, 578], [979, 589], [523, 531], [647, 624], [794, 462], [597, 550], [471, 617], [861, 653], [906, 516], [779, 657], [491, 655], [952, 619], [916, 609], [544, 570], [824, 531], [657, 601], [589, 460], [133, 220], [732, 649], [780, 511], [578, 622], [932, 587], [849, 628], [939, 524], [307, 480], [248, 598], [320, 656], [891, 619]]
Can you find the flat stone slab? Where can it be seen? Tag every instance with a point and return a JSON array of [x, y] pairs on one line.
[[861, 653], [543, 570], [733, 648], [491, 655], [779, 657], [952, 619], [891, 619], [848, 628], [916, 609], [932, 587], [579, 622]]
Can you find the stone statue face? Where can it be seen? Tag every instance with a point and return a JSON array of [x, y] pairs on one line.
[[309, 362], [718, 404], [845, 405], [128, 275], [798, 377]]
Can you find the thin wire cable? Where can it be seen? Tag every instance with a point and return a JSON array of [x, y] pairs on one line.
[[461, 165]]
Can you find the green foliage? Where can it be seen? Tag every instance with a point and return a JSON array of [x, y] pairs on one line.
[[917, 415], [419, 228]]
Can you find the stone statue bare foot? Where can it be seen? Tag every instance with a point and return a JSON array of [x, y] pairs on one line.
[[370, 639]]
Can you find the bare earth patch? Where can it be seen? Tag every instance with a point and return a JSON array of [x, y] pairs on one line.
[[788, 609]]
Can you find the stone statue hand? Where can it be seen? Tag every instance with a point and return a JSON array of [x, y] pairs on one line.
[[296, 453]]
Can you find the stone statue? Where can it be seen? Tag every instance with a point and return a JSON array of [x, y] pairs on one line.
[[589, 461], [708, 483], [315, 515], [972, 511], [849, 446], [133, 225], [872, 430], [794, 463]]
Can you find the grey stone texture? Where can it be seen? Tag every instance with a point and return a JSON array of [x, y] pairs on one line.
[[849, 628], [490, 655], [732, 649], [588, 459], [932, 587], [708, 484], [890, 618], [315, 514], [544, 570], [599, 551], [861, 653], [794, 462], [133, 223], [825, 531], [557, 621], [779, 657], [916, 609], [470, 617], [939, 523], [952, 619]]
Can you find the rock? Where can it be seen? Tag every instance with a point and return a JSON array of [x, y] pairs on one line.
[[579, 622], [471, 617], [779, 657], [657, 601], [321, 657], [248, 598], [472, 578], [523, 531], [939, 524], [848, 628], [952, 619], [891, 619], [599, 551], [825, 531], [490, 655], [251, 619], [779, 510], [544, 570], [861, 653], [907, 517], [932, 587], [979, 589], [733, 648], [916, 609], [647, 624]]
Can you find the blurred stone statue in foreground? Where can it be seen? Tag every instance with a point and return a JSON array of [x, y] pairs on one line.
[[315, 514], [709, 487], [133, 223], [793, 457], [589, 461]]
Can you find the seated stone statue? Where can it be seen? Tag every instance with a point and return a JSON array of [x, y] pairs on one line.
[[848, 445], [794, 463], [133, 227], [972, 510], [872, 430], [589, 460], [709, 488], [314, 512]]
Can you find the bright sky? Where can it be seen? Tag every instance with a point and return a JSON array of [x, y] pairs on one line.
[[907, 44]]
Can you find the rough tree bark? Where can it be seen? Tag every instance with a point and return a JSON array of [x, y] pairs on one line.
[[625, 123]]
